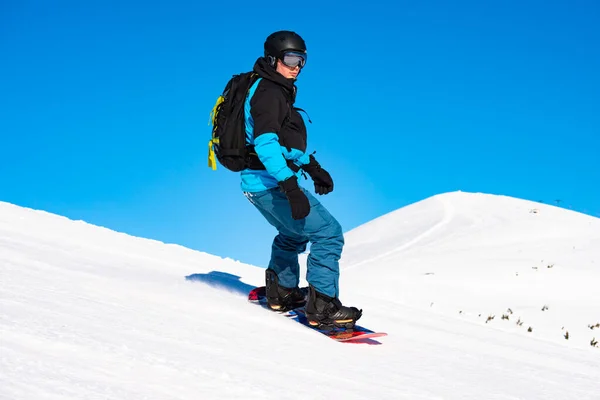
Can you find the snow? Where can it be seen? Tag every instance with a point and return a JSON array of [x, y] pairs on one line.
[[89, 313]]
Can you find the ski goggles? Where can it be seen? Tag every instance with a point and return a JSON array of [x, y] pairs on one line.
[[293, 59]]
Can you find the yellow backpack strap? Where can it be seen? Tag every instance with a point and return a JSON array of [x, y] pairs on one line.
[[212, 161], [213, 113]]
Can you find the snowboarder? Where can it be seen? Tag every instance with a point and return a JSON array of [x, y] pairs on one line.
[[276, 132]]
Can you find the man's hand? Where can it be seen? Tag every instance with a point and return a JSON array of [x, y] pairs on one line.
[[321, 178], [298, 200]]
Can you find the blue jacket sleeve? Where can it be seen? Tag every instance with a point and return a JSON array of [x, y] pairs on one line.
[[299, 158], [269, 152]]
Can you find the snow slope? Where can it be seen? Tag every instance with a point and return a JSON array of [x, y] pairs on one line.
[[89, 313]]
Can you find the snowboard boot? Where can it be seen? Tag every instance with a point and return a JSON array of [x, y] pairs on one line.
[[280, 298], [327, 313]]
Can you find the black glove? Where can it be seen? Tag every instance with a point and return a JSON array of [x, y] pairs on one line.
[[296, 197], [321, 178]]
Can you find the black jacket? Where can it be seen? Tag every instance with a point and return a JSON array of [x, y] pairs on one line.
[[273, 111]]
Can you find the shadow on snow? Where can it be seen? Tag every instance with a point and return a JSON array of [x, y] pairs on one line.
[[222, 280]]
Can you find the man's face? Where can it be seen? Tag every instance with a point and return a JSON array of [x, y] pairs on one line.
[[288, 72], [291, 64]]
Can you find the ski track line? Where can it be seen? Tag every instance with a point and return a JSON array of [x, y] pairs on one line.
[[448, 215]]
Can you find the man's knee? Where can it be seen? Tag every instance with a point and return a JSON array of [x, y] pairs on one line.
[[333, 233], [337, 231]]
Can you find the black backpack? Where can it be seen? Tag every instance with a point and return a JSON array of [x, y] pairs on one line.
[[228, 142]]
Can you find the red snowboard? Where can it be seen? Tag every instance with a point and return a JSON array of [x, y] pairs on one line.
[[358, 334]]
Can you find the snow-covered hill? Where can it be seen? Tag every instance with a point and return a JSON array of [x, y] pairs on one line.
[[89, 313], [478, 256]]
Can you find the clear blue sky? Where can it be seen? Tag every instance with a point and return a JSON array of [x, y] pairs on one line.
[[104, 108]]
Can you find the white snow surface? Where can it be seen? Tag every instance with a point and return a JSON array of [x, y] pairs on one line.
[[90, 313]]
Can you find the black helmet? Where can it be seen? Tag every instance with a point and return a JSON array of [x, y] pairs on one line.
[[279, 42]]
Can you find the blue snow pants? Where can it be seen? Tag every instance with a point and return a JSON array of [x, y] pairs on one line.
[[319, 228]]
